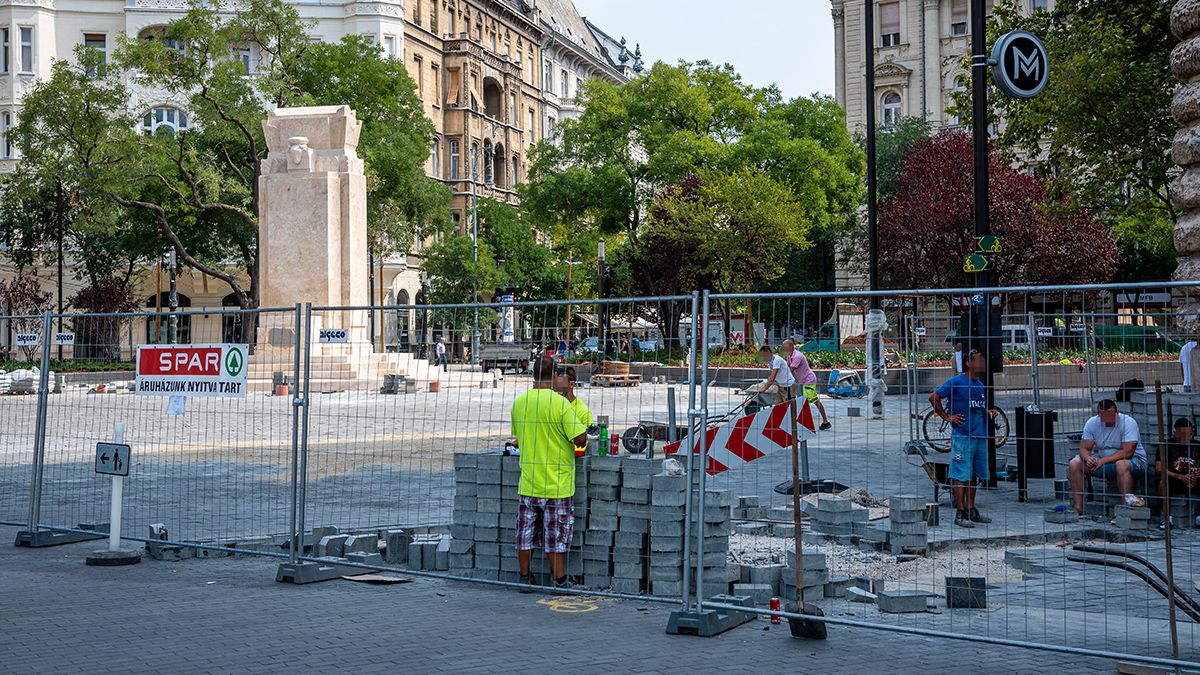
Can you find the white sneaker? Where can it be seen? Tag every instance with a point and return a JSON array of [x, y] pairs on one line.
[[1134, 500]]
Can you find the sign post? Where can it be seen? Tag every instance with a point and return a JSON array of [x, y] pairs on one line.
[[112, 459]]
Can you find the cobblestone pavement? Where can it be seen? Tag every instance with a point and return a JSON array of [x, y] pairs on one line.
[[228, 615]]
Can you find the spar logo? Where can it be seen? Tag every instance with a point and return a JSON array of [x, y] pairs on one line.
[[234, 363]]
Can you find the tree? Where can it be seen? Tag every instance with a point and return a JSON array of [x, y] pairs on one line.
[[927, 228], [891, 144], [99, 337], [24, 303]]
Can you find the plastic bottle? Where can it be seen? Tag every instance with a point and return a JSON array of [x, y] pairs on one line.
[[602, 448]]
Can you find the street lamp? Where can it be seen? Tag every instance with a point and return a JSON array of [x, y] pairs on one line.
[[172, 301], [602, 315], [474, 255]]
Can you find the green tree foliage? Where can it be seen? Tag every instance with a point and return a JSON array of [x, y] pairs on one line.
[[891, 143]]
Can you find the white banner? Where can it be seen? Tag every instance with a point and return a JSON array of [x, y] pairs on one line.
[[210, 371]]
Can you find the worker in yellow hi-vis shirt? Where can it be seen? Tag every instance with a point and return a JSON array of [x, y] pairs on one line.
[[547, 428], [568, 392]]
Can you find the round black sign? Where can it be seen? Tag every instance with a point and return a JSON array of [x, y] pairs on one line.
[[1020, 64]]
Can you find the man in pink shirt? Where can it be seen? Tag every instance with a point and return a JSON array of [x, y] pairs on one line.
[[805, 377]]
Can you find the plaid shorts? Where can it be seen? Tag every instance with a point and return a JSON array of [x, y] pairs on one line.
[[547, 523]]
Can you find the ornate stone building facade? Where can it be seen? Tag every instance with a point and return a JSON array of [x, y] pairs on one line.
[[1185, 191]]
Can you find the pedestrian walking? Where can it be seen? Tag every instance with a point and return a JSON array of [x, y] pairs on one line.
[[440, 353], [548, 429], [970, 418], [1185, 360]]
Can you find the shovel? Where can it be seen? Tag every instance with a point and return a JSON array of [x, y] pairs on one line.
[[801, 628]]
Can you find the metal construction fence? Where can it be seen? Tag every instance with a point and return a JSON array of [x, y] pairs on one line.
[[378, 437]]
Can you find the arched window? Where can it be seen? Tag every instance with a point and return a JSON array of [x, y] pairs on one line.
[[164, 118], [492, 99], [891, 109], [157, 325], [488, 176], [453, 159], [231, 324]]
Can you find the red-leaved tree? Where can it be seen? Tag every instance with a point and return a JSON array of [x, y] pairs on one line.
[[927, 227]]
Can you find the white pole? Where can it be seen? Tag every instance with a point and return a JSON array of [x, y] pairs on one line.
[[118, 485]]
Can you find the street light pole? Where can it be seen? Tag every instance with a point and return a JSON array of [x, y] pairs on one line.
[[58, 217], [872, 213], [172, 302], [602, 315], [474, 256], [979, 137]]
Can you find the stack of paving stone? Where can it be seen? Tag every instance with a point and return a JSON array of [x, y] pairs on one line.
[[835, 517], [908, 531], [1133, 517], [816, 575], [629, 525]]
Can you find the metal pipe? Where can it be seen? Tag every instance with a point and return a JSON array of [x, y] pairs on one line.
[[39, 433], [693, 422], [1033, 360], [702, 432], [303, 496], [1157, 585], [1185, 598], [501, 305], [296, 403], [928, 632], [1061, 288]]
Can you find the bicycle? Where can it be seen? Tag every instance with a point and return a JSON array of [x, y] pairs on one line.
[[936, 430]]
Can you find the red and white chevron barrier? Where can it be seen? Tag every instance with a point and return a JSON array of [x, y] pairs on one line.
[[750, 437]]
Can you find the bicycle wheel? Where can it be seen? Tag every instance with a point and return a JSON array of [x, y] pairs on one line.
[[1000, 428], [936, 431]]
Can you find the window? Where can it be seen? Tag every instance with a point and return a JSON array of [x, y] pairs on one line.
[[242, 55], [987, 7], [419, 70], [6, 146], [958, 17], [417, 11], [435, 155], [548, 77], [433, 18], [960, 86], [891, 109], [435, 75], [164, 118], [96, 42], [1035, 5], [550, 121], [488, 176], [157, 326], [26, 49], [454, 159], [889, 24], [516, 165], [512, 108], [389, 46], [5, 35], [492, 41], [530, 127], [566, 84], [453, 24], [474, 161]]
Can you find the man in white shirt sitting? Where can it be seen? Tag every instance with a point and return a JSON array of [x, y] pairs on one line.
[[1111, 447]]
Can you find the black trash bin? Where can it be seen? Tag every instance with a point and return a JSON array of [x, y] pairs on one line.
[[1035, 446]]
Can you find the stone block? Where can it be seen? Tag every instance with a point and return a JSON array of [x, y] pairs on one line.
[[782, 513], [898, 516], [466, 476], [811, 593], [1061, 516], [636, 481], [597, 582], [485, 519], [626, 570], [598, 479], [597, 567], [668, 484], [859, 595], [661, 528], [459, 546], [416, 552], [491, 491], [601, 507], [486, 573], [466, 503], [783, 530], [666, 544], [770, 574], [907, 502], [759, 529], [748, 501], [666, 589], [827, 528], [877, 534], [854, 514], [836, 588], [902, 602], [813, 559], [627, 586], [491, 505], [719, 498], [596, 522], [635, 495], [509, 564], [397, 543], [622, 555], [487, 534], [909, 528], [598, 538], [634, 525], [1127, 523], [463, 531], [488, 462], [811, 577], [464, 460], [656, 573], [604, 492], [596, 552], [627, 510], [633, 540], [332, 546], [833, 503], [441, 555], [760, 594], [466, 490], [1132, 512], [487, 476], [667, 513]]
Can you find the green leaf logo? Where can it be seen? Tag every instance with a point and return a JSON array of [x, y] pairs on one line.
[[234, 362]]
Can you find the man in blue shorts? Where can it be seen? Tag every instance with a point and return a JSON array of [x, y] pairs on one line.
[[1111, 448], [965, 398]]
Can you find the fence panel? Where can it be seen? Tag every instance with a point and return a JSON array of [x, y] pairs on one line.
[[214, 470], [892, 530], [410, 411], [19, 379]]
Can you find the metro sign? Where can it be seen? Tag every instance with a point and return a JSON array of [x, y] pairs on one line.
[[194, 370], [752, 437]]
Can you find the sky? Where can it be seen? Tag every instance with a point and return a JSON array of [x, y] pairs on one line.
[[784, 42]]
